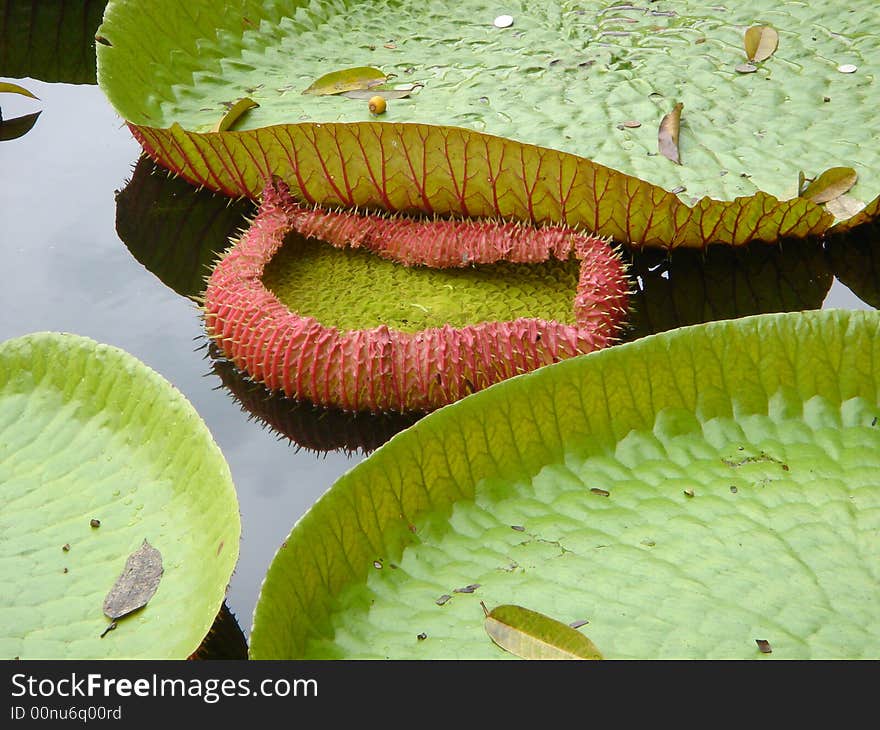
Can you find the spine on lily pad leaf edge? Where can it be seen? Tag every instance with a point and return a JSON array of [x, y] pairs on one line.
[[382, 369]]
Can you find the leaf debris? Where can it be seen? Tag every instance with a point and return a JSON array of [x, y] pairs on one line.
[[667, 135], [467, 589], [136, 585], [761, 42], [533, 635], [831, 184], [234, 113], [764, 646], [348, 79]]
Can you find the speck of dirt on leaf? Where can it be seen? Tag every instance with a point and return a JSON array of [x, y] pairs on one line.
[[648, 543], [377, 564], [445, 597], [95, 523], [578, 624], [874, 421], [688, 492], [764, 646], [422, 636], [518, 528], [467, 589], [600, 492], [631, 124], [678, 189], [745, 68], [64, 571], [733, 489], [66, 547]]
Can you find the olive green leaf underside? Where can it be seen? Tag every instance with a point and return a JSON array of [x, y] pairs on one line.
[[87, 432], [451, 171], [686, 494], [563, 76]]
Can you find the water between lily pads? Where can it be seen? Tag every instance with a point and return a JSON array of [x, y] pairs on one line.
[[65, 269]]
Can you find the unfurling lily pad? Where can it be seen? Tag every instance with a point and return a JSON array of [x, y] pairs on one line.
[[532, 635], [137, 584]]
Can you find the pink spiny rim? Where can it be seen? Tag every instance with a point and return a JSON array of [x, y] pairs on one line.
[[382, 369]]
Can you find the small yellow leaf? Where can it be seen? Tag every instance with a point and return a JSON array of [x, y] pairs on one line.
[[532, 635], [349, 79], [16, 89], [667, 137], [235, 111], [831, 184], [761, 42]]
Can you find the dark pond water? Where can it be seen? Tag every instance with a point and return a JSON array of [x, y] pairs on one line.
[[65, 268]]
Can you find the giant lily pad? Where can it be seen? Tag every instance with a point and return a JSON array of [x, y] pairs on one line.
[[687, 494], [98, 453], [562, 78]]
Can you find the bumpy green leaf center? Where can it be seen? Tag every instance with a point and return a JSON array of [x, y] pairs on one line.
[[352, 290]]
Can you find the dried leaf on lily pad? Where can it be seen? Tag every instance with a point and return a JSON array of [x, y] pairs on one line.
[[831, 184], [532, 635], [401, 92], [844, 207], [761, 41], [235, 111], [349, 79], [137, 584], [667, 137]]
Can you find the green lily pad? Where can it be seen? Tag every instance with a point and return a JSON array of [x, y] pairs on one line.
[[687, 494], [562, 77], [98, 453]]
